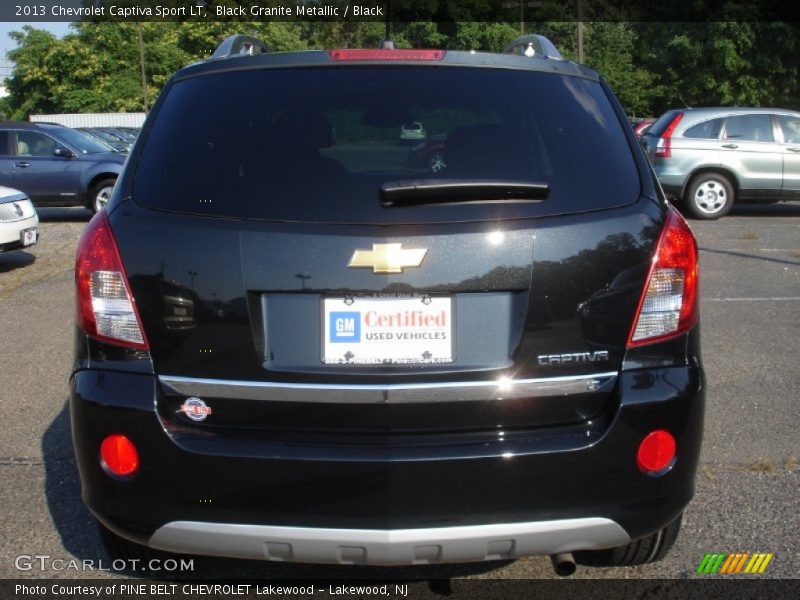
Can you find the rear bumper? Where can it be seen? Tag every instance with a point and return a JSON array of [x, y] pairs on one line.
[[389, 547], [483, 496]]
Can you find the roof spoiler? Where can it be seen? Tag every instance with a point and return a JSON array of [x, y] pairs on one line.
[[534, 45]]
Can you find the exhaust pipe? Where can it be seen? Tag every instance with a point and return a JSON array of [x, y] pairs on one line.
[[563, 564]]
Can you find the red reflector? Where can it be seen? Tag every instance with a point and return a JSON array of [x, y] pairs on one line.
[[656, 452], [367, 54], [118, 456]]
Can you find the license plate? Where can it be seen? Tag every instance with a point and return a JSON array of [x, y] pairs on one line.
[[369, 330], [28, 236]]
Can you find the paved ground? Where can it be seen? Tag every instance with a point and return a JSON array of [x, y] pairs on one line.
[[747, 489]]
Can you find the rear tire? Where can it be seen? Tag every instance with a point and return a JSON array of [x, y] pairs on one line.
[[646, 550], [709, 196], [100, 194]]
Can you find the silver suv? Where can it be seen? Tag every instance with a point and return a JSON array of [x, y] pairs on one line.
[[710, 157]]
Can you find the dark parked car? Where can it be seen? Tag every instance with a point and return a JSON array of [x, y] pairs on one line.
[[378, 367], [56, 165]]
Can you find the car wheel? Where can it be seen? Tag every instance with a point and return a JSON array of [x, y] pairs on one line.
[[710, 196], [436, 162], [100, 194], [646, 550]]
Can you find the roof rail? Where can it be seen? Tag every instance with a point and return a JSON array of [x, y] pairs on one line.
[[239, 45], [534, 45]]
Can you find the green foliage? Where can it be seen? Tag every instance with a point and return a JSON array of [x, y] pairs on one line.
[[652, 66], [722, 63]]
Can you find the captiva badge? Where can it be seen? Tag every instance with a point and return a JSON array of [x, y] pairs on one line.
[[195, 409]]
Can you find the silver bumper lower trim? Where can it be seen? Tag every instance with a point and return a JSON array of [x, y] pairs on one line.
[[389, 547], [400, 393]]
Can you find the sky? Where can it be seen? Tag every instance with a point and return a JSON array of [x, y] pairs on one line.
[[6, 43]]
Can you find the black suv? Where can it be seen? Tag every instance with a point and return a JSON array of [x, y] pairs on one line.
[[56, 165], [294, 345]]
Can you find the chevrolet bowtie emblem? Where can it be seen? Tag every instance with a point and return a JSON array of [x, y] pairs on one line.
[[388, 258]]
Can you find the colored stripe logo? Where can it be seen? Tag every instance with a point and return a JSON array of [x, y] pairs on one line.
[[734, 563]]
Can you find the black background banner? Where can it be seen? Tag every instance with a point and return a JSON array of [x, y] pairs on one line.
[[398, 10], [707, 588]]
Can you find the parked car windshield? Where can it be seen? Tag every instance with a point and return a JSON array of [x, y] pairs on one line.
[[85, 144], [316, 145]]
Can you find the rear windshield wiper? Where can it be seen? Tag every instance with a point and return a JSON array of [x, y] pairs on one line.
[[414, 192]]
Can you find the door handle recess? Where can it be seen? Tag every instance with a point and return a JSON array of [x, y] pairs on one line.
[[22, 164], [793, 149], [731, 146]]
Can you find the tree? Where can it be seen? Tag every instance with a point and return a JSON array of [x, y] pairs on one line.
[[722, 63], [32, 79], [652, 66]]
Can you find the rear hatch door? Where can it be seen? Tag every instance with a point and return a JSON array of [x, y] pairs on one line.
[[310, 303]]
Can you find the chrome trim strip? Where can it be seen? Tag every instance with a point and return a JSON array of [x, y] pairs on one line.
[[392, 546], [396, 393]]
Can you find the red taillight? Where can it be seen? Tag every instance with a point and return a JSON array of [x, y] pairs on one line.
[[656, 452], [668, 306], [105, 308], [118, 456], [367, 54], [664, 145]]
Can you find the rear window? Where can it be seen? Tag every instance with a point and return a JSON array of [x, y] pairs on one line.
[[316, 144], [708, 130], [662, 123]]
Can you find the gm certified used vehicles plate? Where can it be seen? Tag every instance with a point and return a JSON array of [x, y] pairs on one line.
[[385, 331], [294, 343]]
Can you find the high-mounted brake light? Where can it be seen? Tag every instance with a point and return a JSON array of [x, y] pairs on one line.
[[668, 306], [664, 145], [105, 309], [368, 54]]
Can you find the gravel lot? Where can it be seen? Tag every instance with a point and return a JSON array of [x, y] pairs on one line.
[[747, 488]]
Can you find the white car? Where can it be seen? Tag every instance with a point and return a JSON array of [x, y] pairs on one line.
[[414, 131], [19, 223]]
